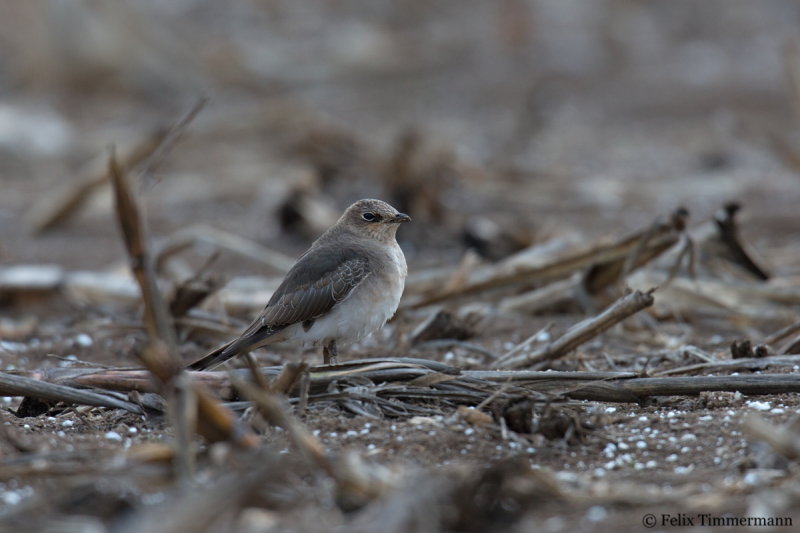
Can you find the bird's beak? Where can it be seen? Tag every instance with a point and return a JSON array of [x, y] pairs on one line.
[[400, 218]]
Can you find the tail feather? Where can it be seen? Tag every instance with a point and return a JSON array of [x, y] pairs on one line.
[[217, 357], [245, 343]]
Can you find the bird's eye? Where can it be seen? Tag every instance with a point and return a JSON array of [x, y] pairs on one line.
[[369, 217]]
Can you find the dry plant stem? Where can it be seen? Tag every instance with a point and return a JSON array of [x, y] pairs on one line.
[[792, 345], [258, 377], [216, 422], [791, 69], [634, 258], [394, 384], [156, 316], [754, 363], [194, 290], [274, 412], [455, 343], [651, 243], [637, 389], [30, 278], [728, 234], [694, 351], [354, 484], [173, 134], [543, 297], [53, 210], [783, 333], [160, 356], [729, 300], [536, 376], [661, 236], [305, 384], [395, 370], [525, 343], [686, 250], [583, 331], [459, 277], [182, 410], [288, 378], [205, 507], [188, 237], [489, 399], [11, 385], [783, 440], [785, 149]]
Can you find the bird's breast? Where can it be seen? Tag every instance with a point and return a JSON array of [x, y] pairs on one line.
[[366, 308]]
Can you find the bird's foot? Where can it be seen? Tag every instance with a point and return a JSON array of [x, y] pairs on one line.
[[329, 353]]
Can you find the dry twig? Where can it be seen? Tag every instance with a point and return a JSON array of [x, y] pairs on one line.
[[784, 440], [200, 233], [218, 500], [52, 210], [402, 386], [170, 138], [583, 331], [643, 247], [11, 385], [192, 405], [635, 249], [755, 363]]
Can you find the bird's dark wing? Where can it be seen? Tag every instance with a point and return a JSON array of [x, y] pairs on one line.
[[320, 279]]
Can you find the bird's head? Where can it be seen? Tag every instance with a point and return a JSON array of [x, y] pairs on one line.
[[373, 218]]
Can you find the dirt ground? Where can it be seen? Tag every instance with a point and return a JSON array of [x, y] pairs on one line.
[[499, 127]]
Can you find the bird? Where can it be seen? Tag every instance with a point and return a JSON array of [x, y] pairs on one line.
[[344, 287]]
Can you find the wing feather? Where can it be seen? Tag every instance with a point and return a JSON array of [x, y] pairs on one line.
[[321, 278]]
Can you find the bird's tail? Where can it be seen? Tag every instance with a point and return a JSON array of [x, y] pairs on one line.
[[250, 340], [217, 357]]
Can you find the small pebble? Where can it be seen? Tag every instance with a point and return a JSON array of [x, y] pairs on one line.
[[11, 497], [759, 406], [84, 340], [596, 513]]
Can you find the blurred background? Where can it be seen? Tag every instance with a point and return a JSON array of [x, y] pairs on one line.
[[494, 124], [511, 131]]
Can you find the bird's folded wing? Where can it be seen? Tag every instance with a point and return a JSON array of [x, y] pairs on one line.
[[319, 280], [309, 292]]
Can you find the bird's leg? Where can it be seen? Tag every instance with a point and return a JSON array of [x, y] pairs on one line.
[[329, 353]]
